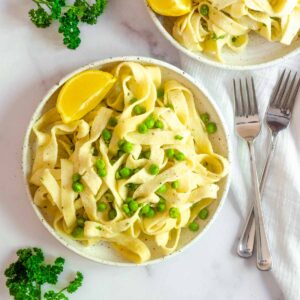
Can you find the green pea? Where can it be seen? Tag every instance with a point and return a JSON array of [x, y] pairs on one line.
[[203, 214], [142, 128], [174, 212], [178, 137], [112, 214], [159, 124], [205, 118], [170, 153], [126, 209], [204, 10], [145, 209], [193, 226], [161, 206], [77, 187], [162, 189], [138, 109], [211, 127], [112, 122], [160, 92], [80, 221], [102, 172], [101, 206], [150, 122], [153, 169], [133, 100], [106, 134], [126, 147], [150, 213], [100, 164], [179, 156], [76, 177], [175, 184], [133, 206], [77, 232], [125, 172]]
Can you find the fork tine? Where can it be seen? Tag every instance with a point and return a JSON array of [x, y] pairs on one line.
[[280, 98], [242, 98], [274, 97], [250, 110], [288, 93], [294, 96], [236, 102], [255, 110]]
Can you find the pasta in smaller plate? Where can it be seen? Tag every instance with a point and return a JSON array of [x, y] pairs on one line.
[[230, 31], [135, 172]]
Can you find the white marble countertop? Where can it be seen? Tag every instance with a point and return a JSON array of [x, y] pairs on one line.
[[31, 61]]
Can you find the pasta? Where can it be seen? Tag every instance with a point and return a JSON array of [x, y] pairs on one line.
[[126, 172], [215, 24]]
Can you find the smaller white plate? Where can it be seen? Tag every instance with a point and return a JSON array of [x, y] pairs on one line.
[[259, 52]]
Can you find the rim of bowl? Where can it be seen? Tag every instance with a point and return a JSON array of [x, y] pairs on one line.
[[99, 64], [211, 62]]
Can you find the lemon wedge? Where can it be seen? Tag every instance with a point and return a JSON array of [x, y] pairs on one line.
[[82, 93], [171, 8]]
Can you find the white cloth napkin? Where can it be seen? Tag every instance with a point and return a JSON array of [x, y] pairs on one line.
[[281, 203]]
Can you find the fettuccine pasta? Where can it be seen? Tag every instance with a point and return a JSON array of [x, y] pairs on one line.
[[139, 166], [215, 24]]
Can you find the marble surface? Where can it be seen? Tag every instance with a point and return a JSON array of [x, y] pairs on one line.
[[31, 61]]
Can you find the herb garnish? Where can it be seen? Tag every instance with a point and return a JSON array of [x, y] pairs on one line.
[[68, 16], [29, 273]]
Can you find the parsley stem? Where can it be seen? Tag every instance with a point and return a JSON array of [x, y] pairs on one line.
[[39, 2], [62, 290], [38, 286]]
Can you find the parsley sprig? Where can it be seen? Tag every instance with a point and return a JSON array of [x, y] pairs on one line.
[[29, 273], [68, 15], [71, 288]]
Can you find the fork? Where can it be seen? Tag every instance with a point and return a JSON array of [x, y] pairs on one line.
[[247, 124], [278, 116]]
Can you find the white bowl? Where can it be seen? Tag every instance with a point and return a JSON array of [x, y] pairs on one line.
[[259, 52], [103, 252]]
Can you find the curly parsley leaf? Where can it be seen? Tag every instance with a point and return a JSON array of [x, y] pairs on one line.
[[73, 286], [40, 18], [68, 15], [90, 13], [69, 28], [26, 276]]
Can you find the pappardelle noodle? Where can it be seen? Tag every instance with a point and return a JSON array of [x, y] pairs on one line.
[[214, 24], [139, 166]]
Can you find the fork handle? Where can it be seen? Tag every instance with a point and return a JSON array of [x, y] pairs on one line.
[[246, 242], [264, 260]]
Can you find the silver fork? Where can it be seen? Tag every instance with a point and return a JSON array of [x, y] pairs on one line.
[[247, 124], [278, 117]]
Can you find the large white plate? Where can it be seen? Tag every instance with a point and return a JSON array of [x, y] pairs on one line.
[[259, 52], [103, 252]]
